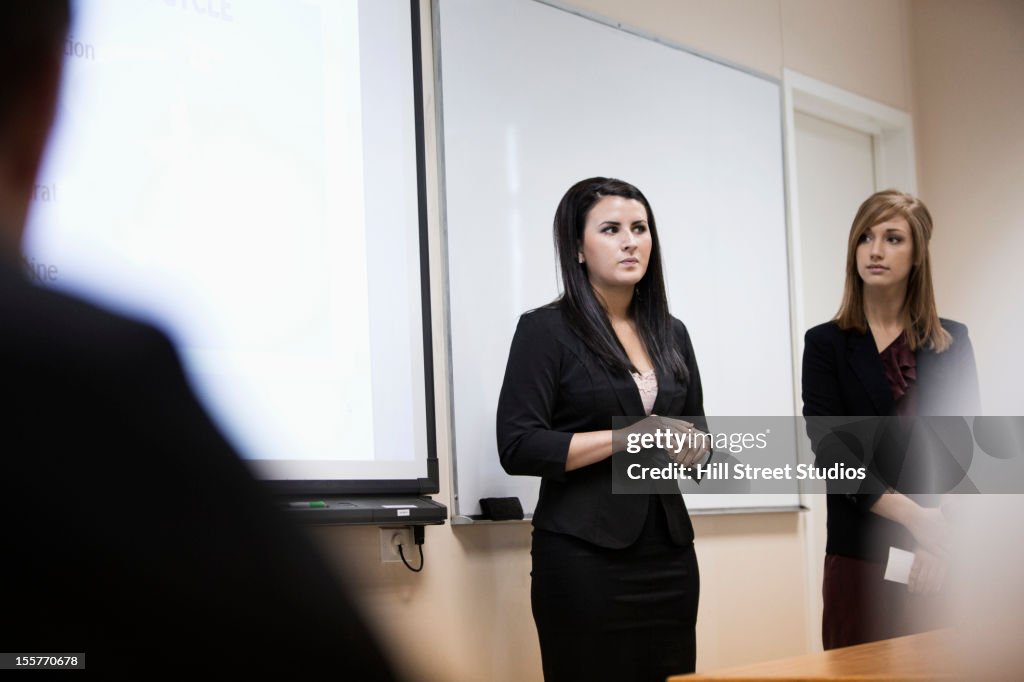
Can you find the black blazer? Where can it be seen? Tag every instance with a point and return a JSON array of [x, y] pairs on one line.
[[554, 387], [131, 531], [843, 376]]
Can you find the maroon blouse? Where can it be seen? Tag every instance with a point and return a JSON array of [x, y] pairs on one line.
[[900, 364]]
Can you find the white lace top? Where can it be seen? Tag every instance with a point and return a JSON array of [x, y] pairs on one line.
[[647, 384]]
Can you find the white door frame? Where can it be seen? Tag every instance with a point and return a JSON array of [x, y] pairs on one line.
[[892, 135]]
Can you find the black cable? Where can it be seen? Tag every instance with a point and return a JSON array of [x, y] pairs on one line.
[[402, 554]]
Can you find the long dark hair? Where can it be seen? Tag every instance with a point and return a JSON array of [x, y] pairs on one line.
[[584, 313]]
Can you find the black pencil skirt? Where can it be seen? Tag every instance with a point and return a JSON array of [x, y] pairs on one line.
[[615, 614]]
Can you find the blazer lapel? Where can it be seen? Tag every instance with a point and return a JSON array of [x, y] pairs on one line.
[[666, 390], [930, 371], [626, 391], [864, 361]]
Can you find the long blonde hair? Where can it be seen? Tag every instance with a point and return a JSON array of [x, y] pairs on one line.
[[920, 318]]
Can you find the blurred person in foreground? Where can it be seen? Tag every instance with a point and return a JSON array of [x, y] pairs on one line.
[[130, 529]]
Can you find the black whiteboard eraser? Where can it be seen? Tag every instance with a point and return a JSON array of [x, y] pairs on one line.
[[501, 508]]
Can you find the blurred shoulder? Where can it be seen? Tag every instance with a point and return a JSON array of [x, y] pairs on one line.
[[42, 325]]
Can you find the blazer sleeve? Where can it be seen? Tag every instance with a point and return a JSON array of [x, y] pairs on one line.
[[969, 399], [527, 443], [694, 404], [822, 398]]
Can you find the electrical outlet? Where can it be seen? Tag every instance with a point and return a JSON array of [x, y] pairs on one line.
[[390, 539]]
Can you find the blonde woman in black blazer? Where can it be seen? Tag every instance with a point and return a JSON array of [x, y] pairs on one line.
[[886, 353], [615, 578]]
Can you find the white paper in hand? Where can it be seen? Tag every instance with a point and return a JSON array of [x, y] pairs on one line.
[[898, 568]]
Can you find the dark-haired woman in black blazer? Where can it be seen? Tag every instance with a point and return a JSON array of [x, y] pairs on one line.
[[886, 353], [615, 579]]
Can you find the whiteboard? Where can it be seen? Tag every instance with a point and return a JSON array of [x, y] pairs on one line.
[[535, 98]]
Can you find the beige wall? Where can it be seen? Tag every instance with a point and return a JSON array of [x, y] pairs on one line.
[[969, 119], [858, 45], [467, 616]]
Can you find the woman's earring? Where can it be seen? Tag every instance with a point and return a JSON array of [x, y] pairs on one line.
[[580, 256]]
